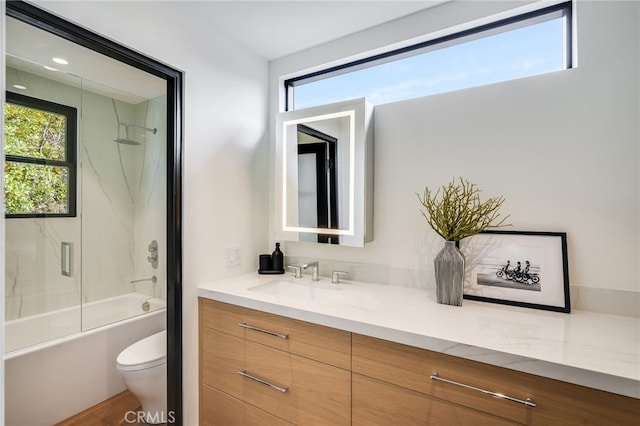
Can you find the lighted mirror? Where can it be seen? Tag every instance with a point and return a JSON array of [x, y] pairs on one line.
[[324, 174]]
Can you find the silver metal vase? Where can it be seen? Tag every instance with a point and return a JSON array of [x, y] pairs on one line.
[[449, 265]]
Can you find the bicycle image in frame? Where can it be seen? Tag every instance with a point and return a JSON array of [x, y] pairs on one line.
[[521, 273], [510, 267]]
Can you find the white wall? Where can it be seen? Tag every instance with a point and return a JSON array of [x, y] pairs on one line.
[[563, 148], [225, 157]]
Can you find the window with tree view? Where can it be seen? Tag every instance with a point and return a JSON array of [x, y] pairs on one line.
[[40, 157]]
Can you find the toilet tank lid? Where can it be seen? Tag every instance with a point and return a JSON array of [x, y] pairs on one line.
[[151, 349]]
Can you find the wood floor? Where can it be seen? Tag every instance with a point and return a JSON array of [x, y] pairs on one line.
[[119, 410]]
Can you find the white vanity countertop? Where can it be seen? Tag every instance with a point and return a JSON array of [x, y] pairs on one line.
[[601, 351]]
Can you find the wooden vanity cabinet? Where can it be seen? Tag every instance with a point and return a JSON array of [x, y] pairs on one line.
[[378, 403], [218, 408], [255, 365], [406, 370], [390, 379], [306, 374], [566, 404]]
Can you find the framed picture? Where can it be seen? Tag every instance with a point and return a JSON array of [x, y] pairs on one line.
[[526, 269]]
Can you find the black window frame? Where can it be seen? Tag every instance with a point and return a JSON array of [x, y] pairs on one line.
[[71, 144], [565, 9]]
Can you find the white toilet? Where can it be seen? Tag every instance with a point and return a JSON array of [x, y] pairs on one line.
[[143, 368]]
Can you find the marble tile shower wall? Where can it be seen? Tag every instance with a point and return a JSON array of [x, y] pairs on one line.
[[150, 213], [33, 253], [117, 216]]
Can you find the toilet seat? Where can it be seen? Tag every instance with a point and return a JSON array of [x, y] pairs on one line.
[[146, 353]]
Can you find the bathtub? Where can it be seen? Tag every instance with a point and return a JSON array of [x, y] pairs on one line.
[[50, 381], [50, 327]]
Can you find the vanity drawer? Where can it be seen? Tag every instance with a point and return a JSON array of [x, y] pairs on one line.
[[313, 341], [411, 368], [220, 409], [221, 357], [304, 391], [578, 405], [379, 403]]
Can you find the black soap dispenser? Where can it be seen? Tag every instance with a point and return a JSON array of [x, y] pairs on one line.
[[277, 260]]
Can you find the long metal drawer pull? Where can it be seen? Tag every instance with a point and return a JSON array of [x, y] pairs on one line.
[[244, 373], [261, 330], [528, 402]]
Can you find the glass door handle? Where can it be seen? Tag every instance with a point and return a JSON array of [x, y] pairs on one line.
[[66, 258]]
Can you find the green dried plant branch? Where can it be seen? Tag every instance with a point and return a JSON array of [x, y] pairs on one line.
[[455, 210]]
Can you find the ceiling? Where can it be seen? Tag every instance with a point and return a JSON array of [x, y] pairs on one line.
[[31, 49], [273, 29]]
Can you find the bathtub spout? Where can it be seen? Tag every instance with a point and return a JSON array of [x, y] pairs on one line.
[[153, 279]]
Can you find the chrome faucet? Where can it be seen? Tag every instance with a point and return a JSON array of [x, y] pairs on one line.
[[153, 279], [297, 270], [335, 277], [314, 270]]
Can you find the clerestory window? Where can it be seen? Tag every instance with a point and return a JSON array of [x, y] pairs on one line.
[[530, 44], [40, 158]]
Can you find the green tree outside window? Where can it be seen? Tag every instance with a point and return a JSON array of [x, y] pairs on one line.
[[40, 160]]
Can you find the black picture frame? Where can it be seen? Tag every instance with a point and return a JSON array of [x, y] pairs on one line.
[[519, 268]]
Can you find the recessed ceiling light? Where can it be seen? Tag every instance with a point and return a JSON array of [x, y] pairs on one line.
[[20, 87], [60, 61], [50, 68]]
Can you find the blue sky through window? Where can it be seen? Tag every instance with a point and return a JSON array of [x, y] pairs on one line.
[[522, 52]]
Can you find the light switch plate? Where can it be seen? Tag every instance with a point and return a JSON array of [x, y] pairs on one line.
[[233, 255]]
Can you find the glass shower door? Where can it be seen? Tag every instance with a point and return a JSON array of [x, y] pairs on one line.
[[85, 190], [42, 226]]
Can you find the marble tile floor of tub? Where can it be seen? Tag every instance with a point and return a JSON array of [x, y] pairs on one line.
[[111, 412]]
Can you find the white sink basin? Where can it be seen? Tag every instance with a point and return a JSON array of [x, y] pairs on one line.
[[304, 290]]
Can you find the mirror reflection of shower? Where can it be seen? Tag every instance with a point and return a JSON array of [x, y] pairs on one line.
[[130, 140], [317, 183]]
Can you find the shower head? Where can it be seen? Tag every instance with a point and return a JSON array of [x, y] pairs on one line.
[[127, 125], [124, 141]]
